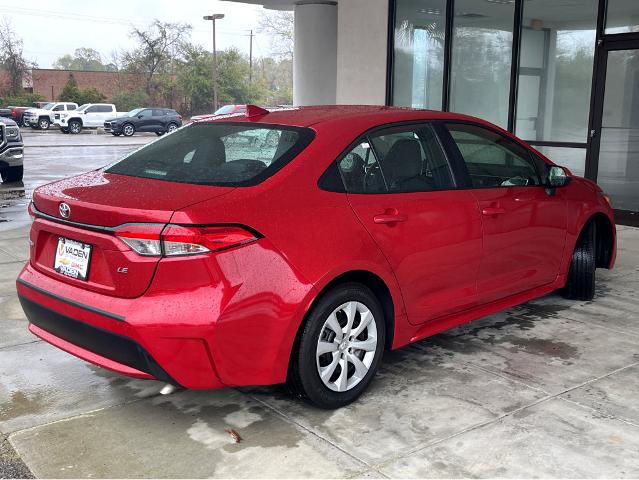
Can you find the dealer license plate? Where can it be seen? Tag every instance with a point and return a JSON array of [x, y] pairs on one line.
[[72, 258]]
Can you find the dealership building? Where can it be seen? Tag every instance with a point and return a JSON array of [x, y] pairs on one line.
[[561, 74]]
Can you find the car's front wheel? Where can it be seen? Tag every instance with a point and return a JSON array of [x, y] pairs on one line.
[[581, 276], [75, 127], [339, 348], [12, 174], [128, 130], [171, 128], [44, 124]]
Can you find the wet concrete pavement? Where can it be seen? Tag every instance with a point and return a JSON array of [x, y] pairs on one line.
[[547, 389]]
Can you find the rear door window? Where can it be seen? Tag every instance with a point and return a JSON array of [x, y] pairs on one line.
[[396, 160], [221, 154]]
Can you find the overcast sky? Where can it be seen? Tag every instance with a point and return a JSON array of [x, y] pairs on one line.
[[51, 29]]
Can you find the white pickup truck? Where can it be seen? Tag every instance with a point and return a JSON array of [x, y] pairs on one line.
[[89, 115], [43, 118]]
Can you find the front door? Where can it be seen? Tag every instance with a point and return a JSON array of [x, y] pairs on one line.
[[524, 225], [615, 132], [401, 187]]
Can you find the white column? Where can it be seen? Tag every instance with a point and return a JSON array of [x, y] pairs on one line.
[[315, 60], [362, 52]]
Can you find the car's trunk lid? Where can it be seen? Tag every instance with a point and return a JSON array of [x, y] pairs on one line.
[[98, 203]]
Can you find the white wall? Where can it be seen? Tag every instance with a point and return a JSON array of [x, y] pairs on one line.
[[362, 36]]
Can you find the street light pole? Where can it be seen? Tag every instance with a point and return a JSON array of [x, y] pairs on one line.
[[213, 18]]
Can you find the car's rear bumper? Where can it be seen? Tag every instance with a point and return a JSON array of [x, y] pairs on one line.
[[112, 340], [206, 322]]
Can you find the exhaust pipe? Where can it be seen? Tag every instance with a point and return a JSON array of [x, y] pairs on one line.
[[168, 389]]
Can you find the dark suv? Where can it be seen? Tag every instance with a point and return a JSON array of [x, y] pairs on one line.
[[158, 120], [11, 151]]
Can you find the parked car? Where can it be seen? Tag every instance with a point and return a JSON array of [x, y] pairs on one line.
[[5, 112], [89, 115], [158, 120], [11, 151], [17, 114], [225, 110], [43, 118], [205, 261]]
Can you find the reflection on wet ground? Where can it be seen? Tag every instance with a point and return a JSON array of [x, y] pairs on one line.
[[52, 156]]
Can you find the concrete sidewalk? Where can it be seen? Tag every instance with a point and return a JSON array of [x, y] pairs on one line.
[[548, 389]]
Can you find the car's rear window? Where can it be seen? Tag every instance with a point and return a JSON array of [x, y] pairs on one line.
[[223, 154]]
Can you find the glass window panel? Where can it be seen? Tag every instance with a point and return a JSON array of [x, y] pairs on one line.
[[482, 50], [572, 158], [419, 53], [618, 172], [555, 73], [622, 16]]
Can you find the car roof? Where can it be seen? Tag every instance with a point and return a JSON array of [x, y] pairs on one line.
[[371, 115]]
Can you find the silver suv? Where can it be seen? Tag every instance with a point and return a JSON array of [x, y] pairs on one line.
[[11, 151]]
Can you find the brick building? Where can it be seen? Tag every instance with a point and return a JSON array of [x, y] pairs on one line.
[[50, 82]]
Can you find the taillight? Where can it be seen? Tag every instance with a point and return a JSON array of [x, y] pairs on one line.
[[175, 240]]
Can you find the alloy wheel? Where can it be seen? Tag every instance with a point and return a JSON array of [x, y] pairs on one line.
[[128, 130], [172, 128], [75, 127], [346, 346], [44, 124]]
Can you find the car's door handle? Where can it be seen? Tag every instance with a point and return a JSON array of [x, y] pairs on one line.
[[389, 217], [490, 211]]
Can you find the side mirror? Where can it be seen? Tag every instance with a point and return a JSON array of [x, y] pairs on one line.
[[557, 177], [140, 116]]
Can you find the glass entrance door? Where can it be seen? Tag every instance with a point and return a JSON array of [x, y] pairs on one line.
[[616, 128]]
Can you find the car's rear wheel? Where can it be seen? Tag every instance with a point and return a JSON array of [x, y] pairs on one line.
[[75, 127], [128, 130], [339, 348], [44, 124], [12, 174], [581, 276]]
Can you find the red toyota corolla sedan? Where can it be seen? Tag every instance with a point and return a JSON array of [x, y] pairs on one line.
[[297, 245]]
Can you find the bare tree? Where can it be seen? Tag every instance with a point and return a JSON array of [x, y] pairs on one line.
[[279, 25], [157, 47], [12, 59]]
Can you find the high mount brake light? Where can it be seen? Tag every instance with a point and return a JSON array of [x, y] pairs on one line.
[[155, 240]]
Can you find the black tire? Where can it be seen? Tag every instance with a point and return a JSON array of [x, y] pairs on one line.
[[128, 129], [44, 123], [171, 127], [303, 376], [12, 174], [75, 127], [581, 276]]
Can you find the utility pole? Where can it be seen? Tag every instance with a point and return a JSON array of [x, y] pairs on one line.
[[251, 59], [213, 18]]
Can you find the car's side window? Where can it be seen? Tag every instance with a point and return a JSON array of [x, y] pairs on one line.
[[145, 113], [158, 113], [399, 159], [58, 108], [93, 109], [412, 160], [492, 159]]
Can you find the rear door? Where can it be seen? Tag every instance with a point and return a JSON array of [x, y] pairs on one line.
[[524, 224], [401, 186]]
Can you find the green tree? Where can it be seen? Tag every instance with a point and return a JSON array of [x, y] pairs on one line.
[[85, 59], [12, 59], [157, 49], [233, 74], [195, 80], [126, 100], [70, 92]]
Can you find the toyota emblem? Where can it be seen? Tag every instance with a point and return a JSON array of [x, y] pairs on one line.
[[65, 210]]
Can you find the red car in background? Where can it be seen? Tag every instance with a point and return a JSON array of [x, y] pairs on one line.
[[225, 110], [297, 245]]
